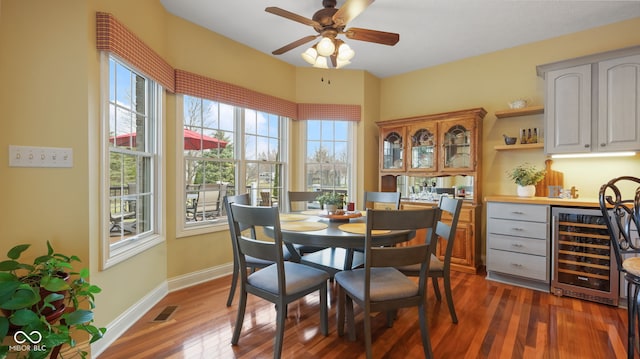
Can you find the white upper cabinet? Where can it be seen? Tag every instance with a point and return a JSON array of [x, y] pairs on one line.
[[592, 104], [618, 104], [568, 110]]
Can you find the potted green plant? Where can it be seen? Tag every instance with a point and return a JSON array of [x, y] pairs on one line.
[[43, 302], [526, 176], [331, 201]]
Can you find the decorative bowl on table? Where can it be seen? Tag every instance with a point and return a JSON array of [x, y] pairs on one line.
[[340, 215]]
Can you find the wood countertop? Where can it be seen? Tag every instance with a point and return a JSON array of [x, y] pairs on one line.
[[578, 202]]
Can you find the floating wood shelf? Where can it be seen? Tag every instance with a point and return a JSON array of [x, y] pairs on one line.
[[532, 110], [530, 146]]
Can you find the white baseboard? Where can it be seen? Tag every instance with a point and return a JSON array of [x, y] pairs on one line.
[[125, 320], [193, 278]]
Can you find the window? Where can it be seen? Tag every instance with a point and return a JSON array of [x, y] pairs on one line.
[[131, 162], [236, 150], [329, 155]]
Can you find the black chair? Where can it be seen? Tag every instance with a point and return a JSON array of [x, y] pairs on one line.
[[620, 205], [391, 199], [379, 287], [281, 282], [442, 268]]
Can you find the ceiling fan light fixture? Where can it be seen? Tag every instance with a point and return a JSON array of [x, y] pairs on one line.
[[326, 47], [321, 63], [345, 52], [310, 55], [341, 63]]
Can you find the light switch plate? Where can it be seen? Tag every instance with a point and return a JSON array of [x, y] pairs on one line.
[[30, 156]]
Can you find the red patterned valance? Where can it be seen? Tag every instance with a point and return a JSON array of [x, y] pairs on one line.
[[200, 86], [310, 111], [114, 37]]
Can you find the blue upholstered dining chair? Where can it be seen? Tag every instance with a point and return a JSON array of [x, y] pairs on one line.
[[446, 233], [281, 282], [620, 205], [251, 263], [379, 286], [392, 199]]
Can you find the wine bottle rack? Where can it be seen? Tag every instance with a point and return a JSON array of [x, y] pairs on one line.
[[584, 266]]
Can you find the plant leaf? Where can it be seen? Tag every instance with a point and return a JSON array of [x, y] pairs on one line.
[[78, 317], [15, 252], [25, 317]]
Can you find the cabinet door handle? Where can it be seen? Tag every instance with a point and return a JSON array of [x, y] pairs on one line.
[[586, 145], [603, 145]]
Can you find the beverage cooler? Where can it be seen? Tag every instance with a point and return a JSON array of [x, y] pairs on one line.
[[584, 264]]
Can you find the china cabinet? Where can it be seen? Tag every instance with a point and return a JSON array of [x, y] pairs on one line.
[[438, 145], [593, 102]]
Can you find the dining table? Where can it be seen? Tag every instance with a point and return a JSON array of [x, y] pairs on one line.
[[340, 236]]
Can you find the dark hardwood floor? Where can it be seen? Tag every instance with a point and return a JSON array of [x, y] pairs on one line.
[[495, 321]]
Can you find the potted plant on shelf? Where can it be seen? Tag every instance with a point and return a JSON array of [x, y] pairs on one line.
[[331, 201], [43, 302], [526, 176]]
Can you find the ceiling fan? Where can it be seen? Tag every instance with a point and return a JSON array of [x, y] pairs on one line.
[[330, 22]]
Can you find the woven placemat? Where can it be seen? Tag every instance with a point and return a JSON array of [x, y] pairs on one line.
[[360, 228], [288, 217], [303, 226]]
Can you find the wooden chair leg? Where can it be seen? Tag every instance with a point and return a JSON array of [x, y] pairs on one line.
[[351, 327], [280, 322], [424, 332], [324, 315], [340, 310], [436, 288], [449, 296], [234, 283], [367, 334], [240, 318]]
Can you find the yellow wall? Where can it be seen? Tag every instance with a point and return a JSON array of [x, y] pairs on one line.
[[491, 81], [50, 96]]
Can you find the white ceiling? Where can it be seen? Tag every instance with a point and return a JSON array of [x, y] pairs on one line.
[[431, 32]]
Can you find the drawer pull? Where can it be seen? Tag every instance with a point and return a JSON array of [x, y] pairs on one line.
[[517, 265], [517, 245], [517, 212], [517, 229]]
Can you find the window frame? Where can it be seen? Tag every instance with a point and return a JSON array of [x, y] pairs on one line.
[[114, 254], [351, 156], [186, 230]]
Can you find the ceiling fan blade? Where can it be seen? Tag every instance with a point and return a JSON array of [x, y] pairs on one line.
[[294, 44], [291, 16], [349, 11], [380, 37]]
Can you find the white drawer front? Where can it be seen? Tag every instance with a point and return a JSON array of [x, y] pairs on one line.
[[536, 247], [521, 212], [517, 228], [523, 265]]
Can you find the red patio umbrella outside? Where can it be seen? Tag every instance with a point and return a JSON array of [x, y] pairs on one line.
[[192, 141]]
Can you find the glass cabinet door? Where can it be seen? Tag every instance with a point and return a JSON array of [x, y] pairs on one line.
[[392, 150], [457, 146], [422, 150]]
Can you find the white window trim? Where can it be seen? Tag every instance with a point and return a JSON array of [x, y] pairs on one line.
[[182, 230], [352, 147], [112, 256]]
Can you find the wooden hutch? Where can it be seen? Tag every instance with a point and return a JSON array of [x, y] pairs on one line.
[[438, 146]]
